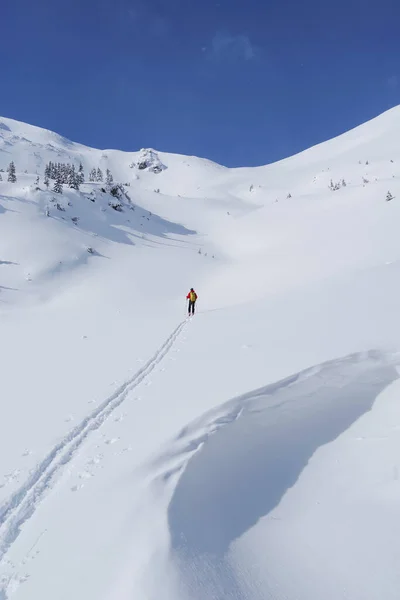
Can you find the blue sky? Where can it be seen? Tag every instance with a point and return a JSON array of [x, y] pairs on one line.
[[239, 82]]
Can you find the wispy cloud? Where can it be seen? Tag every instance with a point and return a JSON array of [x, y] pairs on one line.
[[141, 15], [225, 46]]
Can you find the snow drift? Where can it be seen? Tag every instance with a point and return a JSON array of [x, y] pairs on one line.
[[136, 458]]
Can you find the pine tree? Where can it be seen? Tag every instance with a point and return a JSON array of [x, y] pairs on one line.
[[109, 177], [46, 181], [81, 174], [74, 180], [12, 178], [1, 179], [99, 175], [71, 176], [58, 186], [334, 186], [47, 172], [65, 171], [92, 175], [56, 170], [389, 197]]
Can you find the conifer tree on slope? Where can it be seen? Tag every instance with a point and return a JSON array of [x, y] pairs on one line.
[[81, 174], [109, 177], [73, 178], [12, 178], [58, 186]]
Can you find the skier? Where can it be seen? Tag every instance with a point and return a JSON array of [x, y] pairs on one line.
[[192, 297]]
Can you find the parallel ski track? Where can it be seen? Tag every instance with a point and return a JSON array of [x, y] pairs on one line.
[[23, 503]]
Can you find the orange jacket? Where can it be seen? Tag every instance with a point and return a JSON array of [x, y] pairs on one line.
[[192, 296]]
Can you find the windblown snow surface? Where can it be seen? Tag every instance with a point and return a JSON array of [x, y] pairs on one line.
[[251, 452]]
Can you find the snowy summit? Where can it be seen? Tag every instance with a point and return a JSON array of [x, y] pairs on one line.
[[249, 451]]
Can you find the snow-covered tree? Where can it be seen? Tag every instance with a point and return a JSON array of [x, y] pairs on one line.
[[12, 178], [109, 177], [46, 181], [334, 186], [99, 175], [81, 174], [389, 197], [58, 186], [343, 183], [73, 178], [1, 179], [289, 196], [92, 175]]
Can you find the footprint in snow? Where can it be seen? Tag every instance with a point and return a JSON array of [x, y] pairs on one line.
[[120, 418], [85, 475], [111, 441], [76, 488], [127, 449], [96, 460], [10, 477]]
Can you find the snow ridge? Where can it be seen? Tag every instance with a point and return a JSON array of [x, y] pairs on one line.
[[23, 503]]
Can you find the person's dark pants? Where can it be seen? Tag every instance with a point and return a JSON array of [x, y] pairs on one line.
[[191, 306]]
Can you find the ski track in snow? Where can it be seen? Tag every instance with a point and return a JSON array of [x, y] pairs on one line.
[[20, 507]]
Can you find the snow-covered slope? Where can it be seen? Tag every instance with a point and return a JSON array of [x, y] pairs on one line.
[[247, 453]]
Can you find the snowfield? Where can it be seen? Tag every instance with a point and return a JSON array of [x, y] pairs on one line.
[[251, 452]]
